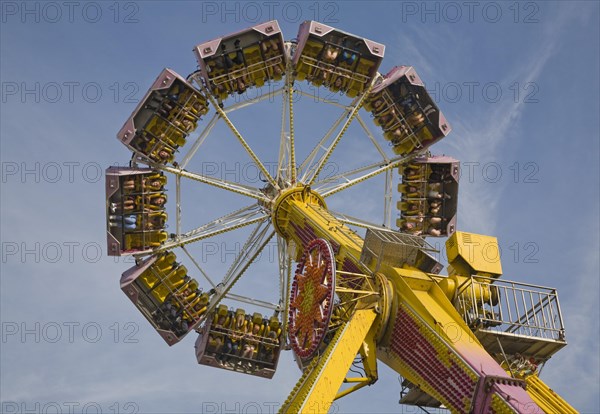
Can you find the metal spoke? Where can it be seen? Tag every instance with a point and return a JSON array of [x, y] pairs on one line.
[[319, 185], [371, 137], [243, 189], [324, 100], [290, 95], [321, 145], [285, 278], [349, 183], [283, 163], [254, 245], [282, 261], [235, 220], [241, 139], [199, 141], [354, 221], [256, 302], [349, 175], [336, 140], [254, 101], [286, 167], [177, 205], [198, 267], [388, 199]]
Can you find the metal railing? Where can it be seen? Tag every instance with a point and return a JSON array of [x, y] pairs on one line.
[[511, 307], [397, 249]]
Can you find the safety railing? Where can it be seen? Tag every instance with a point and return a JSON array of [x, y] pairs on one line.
[[511, 307]]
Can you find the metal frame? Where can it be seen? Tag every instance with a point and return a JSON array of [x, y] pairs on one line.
[[386, 246], [286, 164], [522, 309], [240, 218], [253, 246], [288, 174]]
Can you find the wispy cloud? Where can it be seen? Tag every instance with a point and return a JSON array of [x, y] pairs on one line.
[[581, 326], [479, 140]]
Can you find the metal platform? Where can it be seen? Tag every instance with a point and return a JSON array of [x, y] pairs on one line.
[[519, 318]]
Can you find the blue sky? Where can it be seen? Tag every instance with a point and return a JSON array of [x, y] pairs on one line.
[[519, 82]]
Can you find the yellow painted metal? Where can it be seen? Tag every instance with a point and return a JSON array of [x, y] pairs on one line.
[[546, 398], [440, 323], [299, 216], [359, 379], [358, 386], [315, 391], [454, 286], [283, 210], [470, 254], [499, 406], [448, 285]]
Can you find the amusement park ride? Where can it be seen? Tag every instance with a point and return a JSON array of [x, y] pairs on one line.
[[470, 341]]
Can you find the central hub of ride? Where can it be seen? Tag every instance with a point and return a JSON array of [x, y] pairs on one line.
[[282, 205]]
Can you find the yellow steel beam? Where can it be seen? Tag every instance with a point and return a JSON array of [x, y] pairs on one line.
[[356, 387], [358, 379], [317, 389], [546, 398]]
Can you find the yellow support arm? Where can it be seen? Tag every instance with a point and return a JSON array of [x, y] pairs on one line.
[[546, 398], [319, 385], [422, 337]]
